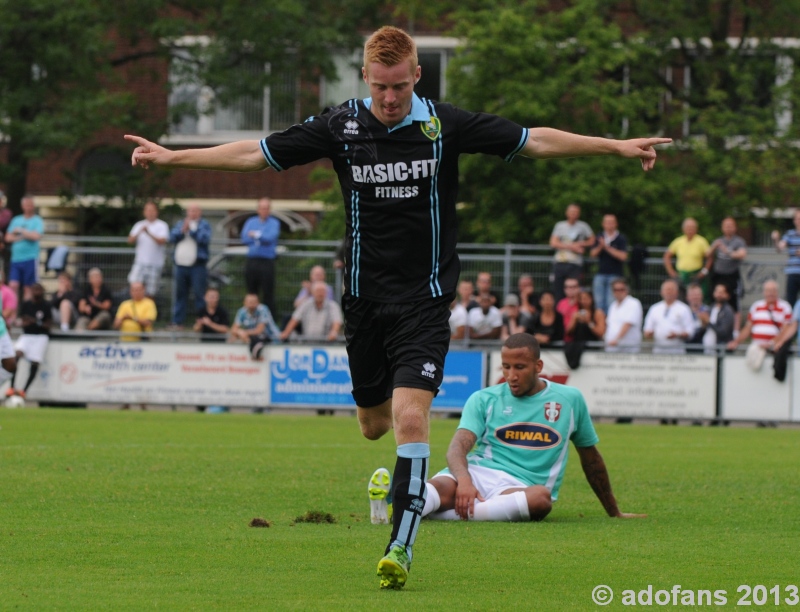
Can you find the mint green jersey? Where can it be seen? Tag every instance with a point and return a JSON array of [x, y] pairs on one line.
[[528, 437]]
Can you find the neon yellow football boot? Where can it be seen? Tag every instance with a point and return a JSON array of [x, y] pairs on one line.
[[378, 489], [393, 568]]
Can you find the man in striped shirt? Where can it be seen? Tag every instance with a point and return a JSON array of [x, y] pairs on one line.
[[765, 319]]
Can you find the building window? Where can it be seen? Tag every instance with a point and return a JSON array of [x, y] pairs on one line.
[[433, 54], [196, 118]]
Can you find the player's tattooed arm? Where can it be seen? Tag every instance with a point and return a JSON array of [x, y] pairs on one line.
[[466, 493], [597, 475], [460, 445]]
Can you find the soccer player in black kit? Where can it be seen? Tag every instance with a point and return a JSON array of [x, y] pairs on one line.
[[396, 157]]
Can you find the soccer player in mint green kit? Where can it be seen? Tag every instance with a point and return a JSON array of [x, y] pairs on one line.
[[507, 458]]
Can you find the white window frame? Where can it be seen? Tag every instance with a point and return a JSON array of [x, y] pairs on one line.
[[445, 45], [783, 74], [206, 133]]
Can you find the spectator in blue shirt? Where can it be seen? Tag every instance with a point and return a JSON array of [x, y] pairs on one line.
[[24, 233], [791, 243], [260, 233], [191, 238], [254, 325]]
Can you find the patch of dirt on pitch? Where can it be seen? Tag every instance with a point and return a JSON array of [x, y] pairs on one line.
[[260, 522], [315, 516]]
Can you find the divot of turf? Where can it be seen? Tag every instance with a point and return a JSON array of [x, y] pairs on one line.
[[316, 516], [260, 522]]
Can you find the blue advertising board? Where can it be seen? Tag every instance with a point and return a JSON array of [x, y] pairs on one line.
[[464, 374], [320, 376], [309, 376]]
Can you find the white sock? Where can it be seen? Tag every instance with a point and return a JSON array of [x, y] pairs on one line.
[[65, 327], [5, 375], [432, 499], [445, 515], [512, 507]]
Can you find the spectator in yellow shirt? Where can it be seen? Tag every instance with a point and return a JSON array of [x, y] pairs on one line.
[[689, 249], [135, 315]]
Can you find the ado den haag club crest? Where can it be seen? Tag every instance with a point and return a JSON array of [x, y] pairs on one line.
[[432, 128]]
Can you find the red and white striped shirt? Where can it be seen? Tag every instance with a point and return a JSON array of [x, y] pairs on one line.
[[768, 319]]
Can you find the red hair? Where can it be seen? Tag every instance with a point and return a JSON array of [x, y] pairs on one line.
[[389, 46]]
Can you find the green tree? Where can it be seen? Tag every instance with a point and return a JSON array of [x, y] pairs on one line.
[[579, 69], [66, 65]]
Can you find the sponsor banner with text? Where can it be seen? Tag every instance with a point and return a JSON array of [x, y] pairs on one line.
[[151, 373]]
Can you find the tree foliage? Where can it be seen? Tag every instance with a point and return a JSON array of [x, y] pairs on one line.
[[66, 65], [623, 69]]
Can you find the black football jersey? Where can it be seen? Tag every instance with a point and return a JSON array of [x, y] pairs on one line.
[[400, 188]]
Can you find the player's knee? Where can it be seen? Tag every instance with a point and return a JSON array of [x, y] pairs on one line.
[[539, 502], [374, 429]]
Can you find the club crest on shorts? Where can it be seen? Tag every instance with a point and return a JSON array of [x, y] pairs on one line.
[[552, 411], [432, 128]]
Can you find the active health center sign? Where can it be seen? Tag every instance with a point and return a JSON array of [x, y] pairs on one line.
[[152, 373], [320, 377]]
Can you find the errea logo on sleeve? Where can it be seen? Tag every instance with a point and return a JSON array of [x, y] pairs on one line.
[[428, 369], [351, 127]]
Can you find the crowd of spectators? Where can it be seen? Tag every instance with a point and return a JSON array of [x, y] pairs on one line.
[[699, 308]]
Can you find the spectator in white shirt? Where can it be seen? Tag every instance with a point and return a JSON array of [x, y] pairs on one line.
[[669, 322], [150, 235], [624, 320], [458, 321], [486, 321]]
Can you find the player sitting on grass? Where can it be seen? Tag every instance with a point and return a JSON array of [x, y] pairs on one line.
[[507, 458]]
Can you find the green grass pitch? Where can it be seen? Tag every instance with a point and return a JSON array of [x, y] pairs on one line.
[[129, 510]]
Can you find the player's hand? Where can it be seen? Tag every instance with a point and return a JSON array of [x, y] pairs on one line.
[[643, 149], [466, 494], [630, 515], [147, 152]]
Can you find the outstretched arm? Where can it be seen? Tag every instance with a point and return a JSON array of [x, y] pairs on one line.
[[240, 156], [549, 142], [596, 473]]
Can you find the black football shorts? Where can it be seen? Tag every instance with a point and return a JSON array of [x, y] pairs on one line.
[[395, 345]]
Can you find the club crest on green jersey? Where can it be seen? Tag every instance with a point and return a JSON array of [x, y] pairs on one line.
[[432, 128]]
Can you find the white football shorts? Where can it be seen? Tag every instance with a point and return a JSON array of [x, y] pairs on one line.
[[6, 347], [490, 483], [32, 346]]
